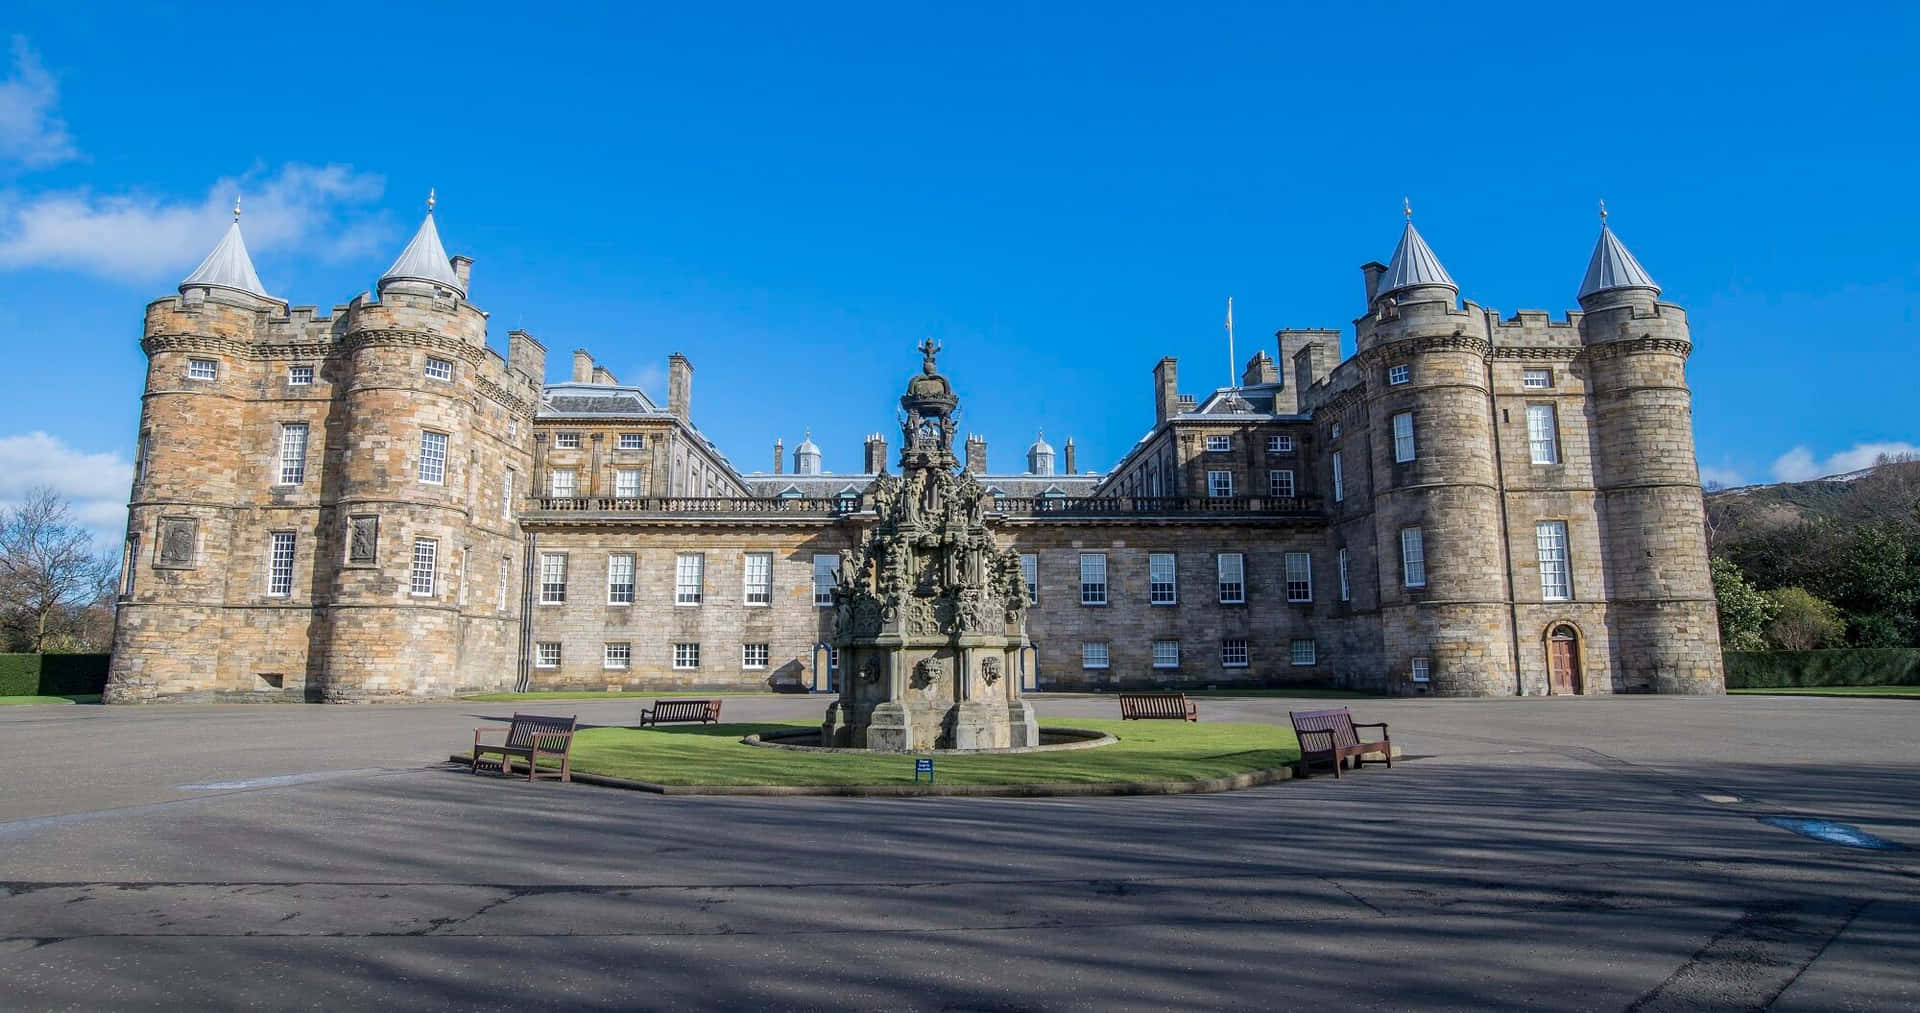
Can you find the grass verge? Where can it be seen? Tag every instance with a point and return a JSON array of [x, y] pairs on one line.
[[1889, 692], [589, 694], [28, 701], [1147, 751]]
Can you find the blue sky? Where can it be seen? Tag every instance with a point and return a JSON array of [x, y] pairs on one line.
[[794, 195]]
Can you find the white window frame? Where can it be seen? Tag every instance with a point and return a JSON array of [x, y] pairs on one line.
[[1230, 569], [1299, 577], [1543, 437], [1536, 379], [1413, 557], [1556, 560], [1279, 444], [633, 441], [626, 483], [1163, 578], [1093, 578], [293, 453], [203, 369], [432, 467], [546, 654], [1420, 670], [506, 495], [826, 567], [756, 576], [1346, 588], [513, 427], [621, 565], [566, 439], [553, 578], [1404, 448], [756, 656], [1399, 373], [558, 490], [1217, 444], [686, 656], [616, 655], [1280, 483], [131, 566], [1030, 572], [1339, 480], [1096, 654], [437, 368], [280, 549], [1220, 484], [425, 570], [1166, 654], [689, 578], [1235, 653], [1303, 652], [506, 580], [299, 376]]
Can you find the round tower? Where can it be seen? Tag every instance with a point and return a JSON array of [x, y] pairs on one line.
[[1660, 592], [1437, 524]]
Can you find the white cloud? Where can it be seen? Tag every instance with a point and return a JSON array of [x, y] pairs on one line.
[[31, 133], [142, 239], [95, 485], [1727, 477], [1799, 464]]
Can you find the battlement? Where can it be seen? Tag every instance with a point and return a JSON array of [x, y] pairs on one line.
[[1535, 329]]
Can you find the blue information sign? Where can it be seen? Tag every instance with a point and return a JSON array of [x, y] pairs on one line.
[[923, 765]]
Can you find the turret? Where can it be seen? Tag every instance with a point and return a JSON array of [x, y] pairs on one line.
[[806, 456], [1040, 456]]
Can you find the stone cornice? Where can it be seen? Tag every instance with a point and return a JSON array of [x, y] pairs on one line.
[[1560, 352], [1644, 343]]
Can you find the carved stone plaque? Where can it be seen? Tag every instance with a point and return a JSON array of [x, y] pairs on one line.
[[990, 670], [178, 536], [363, 541]]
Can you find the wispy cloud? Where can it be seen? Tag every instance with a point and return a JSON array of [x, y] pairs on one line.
[[31, 131], [1799, 464], [143, 239], [96, 485], [1724, 477]]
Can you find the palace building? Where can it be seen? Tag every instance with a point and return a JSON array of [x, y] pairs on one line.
[[376, 503]]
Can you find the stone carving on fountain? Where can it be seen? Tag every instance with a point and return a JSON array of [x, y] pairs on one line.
[[929, 609]]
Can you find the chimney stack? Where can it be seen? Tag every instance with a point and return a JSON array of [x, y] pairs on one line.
[[1260, 370], [1166, 387], [1069, 448], [876, 462], [1373, 271], [603, 376], [462, 269], [976, 454], [680, 386], [779, 456], [582, 366]]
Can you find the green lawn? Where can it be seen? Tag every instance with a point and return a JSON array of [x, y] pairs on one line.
[[24, 701], [589, 694], [1869, 691], [1147, 751]]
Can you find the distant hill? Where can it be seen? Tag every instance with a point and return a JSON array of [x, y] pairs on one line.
[[1889, 490]]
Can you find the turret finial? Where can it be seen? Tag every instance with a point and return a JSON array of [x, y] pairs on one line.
[[1406, 207], [236, 207], [1603, 211], [429, 200]]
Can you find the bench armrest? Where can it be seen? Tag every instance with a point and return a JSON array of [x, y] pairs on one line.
[[1370, 724]]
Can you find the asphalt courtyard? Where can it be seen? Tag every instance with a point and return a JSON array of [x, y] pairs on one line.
[[1598, 854]]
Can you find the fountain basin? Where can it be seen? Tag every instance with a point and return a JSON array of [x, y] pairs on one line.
[[1052, 740]]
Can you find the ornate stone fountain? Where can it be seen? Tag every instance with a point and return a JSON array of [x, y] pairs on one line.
[[930, 613]]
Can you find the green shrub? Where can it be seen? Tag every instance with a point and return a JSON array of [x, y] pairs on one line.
[[52, 674], [1873, 666]]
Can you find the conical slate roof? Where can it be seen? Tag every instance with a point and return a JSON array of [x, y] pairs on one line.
[[1040, 445], [1613, 267], [228, 266], [807, 446], [424, 259], [1414, 264]]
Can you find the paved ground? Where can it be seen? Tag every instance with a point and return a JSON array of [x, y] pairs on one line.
[[1539, 853]]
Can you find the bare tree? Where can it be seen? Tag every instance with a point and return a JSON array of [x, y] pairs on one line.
[[49, 572]]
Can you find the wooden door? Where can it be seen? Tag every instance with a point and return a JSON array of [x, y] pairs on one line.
[[1563, 661]]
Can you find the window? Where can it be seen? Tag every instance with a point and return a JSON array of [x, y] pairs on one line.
[[1030, 572], [759, 578], [1556, 583], [825, 575], [1220, 484], [466, 552], [127, 568], [619, 579], [553, 578], [1346, 592], [506, 580], [1219, 444], [439, 369], [293, 453], [566, 441], [142, 450], [203, 369], [1233, 653], [1397, 375], [1280, 483], [1304, 653], [1163, 587], [1536, 379], [686, 656], [633, 441], [1166, 654], [1339, 480], [626, 483], [1299, 576], [1421, 670], [1232, 568], [506, 496], [1093, 654], [546, 654], [280, 565], [299, 376], [560, 484], [1413, 557], [754, 655], [1093, 578], [1279, 444], [618, 656], [433, 458], [1334, 431], [425, 552], [1403, 437], [513, 428], [689, 578], [1542, 441]]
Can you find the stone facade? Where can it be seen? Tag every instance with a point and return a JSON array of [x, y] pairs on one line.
[[1469, 505]]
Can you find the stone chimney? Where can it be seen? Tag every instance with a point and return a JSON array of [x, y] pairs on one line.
[[779, 456], [603, 376], [1069, 450], [526, 354], [1166, 389], [976, 454], [582, 366], [462, 269], [1373, 271], [876, 462], [680, 386], [1310, 364], [1260, 369]]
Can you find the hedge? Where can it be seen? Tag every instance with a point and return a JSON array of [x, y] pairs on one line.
[[52, 674], [1866, 666]]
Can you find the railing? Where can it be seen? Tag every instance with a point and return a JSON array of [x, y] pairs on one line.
[[808, 506], [1118, 506]]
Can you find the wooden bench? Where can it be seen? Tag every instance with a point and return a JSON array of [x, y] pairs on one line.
[[1170, 706], [531, 736], [707, 712], [1329, 736]]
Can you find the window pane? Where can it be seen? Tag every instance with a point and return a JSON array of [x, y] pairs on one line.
[[1220, 484], [689, 578], [1399, 374], [1413, 557], [1304, 652], [1536, 378], [1556, 582], [425, 550], [439, 369], [293, 453], [1422, 669], [755, 655], [546, 655], [553, 578], [626, 483], [299, 376], [1233, 653], [1093, 655], [280, 565], [619, 579], [1346, 591], [1093, 578], [1339, 480], [1162, 579], [825, 569], [1542, 439], [561, 484], [686, 656], [1166, 654], [618, 656], [1299, 576], [1403, 437], [1030, 572], [433, 457], [633, 441], [1233, 578], [1280, 483], [203, 369], [759, 578]]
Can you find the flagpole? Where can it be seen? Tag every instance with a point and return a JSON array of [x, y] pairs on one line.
[[1233, 362]]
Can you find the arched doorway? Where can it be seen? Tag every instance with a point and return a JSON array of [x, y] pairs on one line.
[[1563, 661]]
